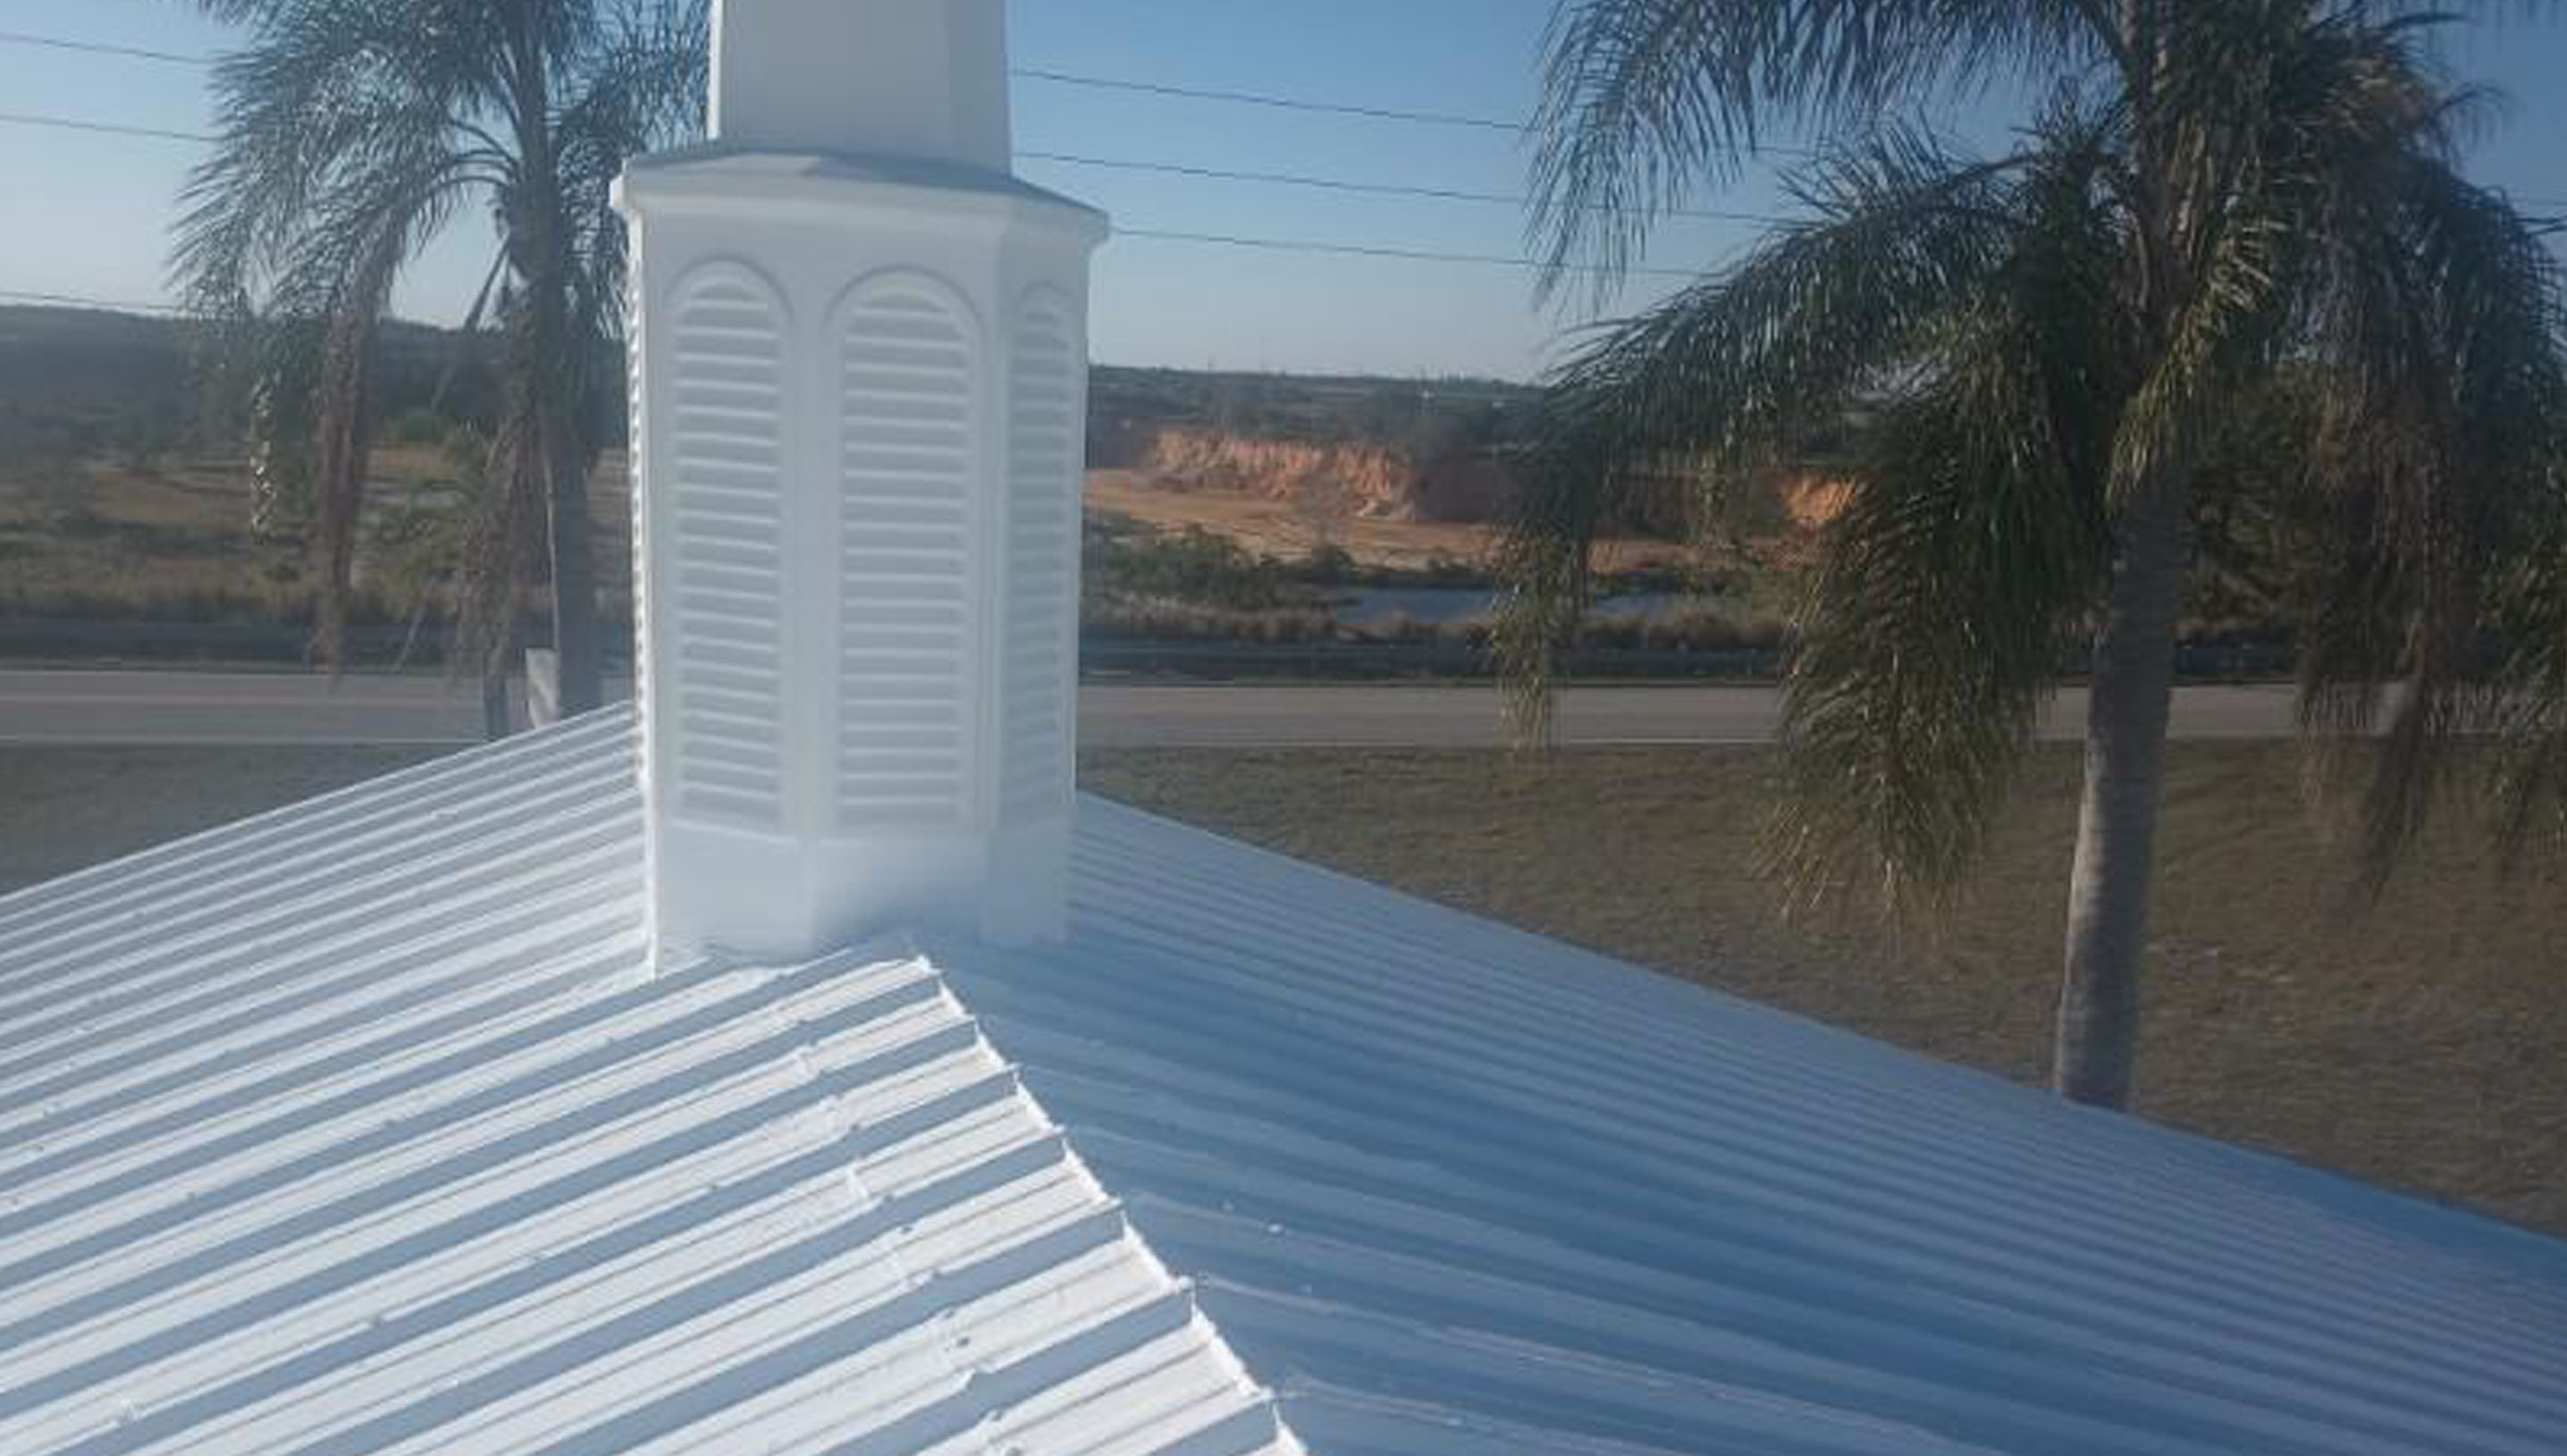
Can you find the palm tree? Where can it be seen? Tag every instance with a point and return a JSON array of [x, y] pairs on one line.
[[2209, 203], [351, 133]]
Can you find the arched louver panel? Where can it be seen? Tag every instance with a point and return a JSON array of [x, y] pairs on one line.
[[637, 397], [721, 685], [1042, 544], [907, 630]]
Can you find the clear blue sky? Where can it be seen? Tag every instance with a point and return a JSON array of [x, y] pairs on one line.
[[89, 215]]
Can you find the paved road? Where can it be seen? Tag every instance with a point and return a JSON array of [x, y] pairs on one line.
[[227, 708], [1472, 717]]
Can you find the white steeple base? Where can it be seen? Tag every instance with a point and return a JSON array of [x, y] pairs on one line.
[[860, 412]]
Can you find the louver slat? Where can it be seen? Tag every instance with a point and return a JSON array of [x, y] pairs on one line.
[[1042, 550], [904, 634], [725, 437]]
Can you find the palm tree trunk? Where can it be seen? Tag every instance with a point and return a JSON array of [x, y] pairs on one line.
[[574, 571], [554, 356], [498, 723], [539, 245], [2125, 746]]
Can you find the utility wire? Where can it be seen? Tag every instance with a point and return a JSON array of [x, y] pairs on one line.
[[1205, 239], [1289, 245], [1365, 250], [1062, 159], [111, 129], [1039, 74], [1021, 72], [1256, 99], [1106, 163], [1339, 184], [1092, 82], [1051, 77], [1322, 108], [67, 300], [96, 48]]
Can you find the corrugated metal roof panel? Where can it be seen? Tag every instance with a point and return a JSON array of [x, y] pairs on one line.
[[1435, 1175], [367, 1127]]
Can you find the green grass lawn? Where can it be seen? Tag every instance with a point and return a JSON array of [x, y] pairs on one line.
[[2411, 1044]]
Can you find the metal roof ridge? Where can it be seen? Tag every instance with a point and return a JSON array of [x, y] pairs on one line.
[[1256, 1395]]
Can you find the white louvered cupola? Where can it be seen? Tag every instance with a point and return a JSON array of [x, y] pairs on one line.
[[860, 419]]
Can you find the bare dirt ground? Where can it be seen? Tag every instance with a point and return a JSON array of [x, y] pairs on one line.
[[2413, 1044], [172, 539], [1269, 526]]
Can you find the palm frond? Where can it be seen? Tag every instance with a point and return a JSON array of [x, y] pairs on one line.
[[2439, 456], [644, 88], [1642, 100], [2243, 280], [341, 407], [330, 96], [2527, 779], [352, 131], [331, 281], [1904, 237], [1951, 589], [2273, 123]]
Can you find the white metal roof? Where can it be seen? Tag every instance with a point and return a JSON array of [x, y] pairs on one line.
[[364, 1126]]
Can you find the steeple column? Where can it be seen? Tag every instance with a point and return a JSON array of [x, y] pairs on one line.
[[859, 416]]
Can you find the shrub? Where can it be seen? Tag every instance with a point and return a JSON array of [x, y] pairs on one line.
[[1161, 620], [1193, 565], [1693, 631], [1330, 564], [418, 425]]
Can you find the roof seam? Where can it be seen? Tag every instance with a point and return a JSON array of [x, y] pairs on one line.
[[1285, 1441]]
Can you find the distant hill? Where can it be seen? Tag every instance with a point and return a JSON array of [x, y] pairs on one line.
[[94, 372], [78, 385]]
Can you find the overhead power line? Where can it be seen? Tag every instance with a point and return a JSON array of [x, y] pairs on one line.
[[1258, 99], [1294, 245], [1226, 240], [1062, 78], [1267, 244], [1366, 250], [1044, 75], [97, 48], [68, 300], [1339, 184], [1021, 72], [1051, 77], [1062, 159], [1317, 108], [1040, 73], [111, 129]]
